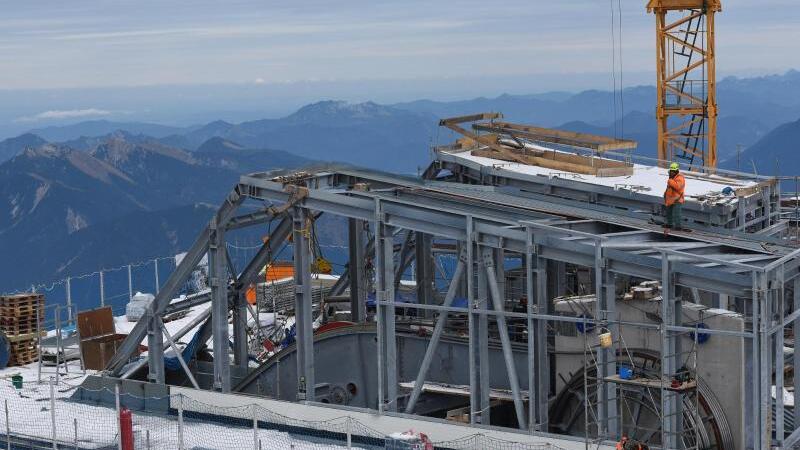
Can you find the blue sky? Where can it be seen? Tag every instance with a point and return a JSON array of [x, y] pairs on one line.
[[62, 54]]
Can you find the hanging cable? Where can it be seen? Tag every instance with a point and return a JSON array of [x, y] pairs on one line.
[[621, 88], [614, 67]]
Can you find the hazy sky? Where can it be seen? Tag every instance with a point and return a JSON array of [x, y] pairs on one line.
[[91, 43], [191, 61]]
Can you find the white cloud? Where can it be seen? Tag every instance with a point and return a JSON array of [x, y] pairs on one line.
[[60, 114], [259, 81]]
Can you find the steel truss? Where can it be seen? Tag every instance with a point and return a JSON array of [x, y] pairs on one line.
[[488, 226]]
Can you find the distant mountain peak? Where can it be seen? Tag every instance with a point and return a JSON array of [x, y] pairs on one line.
[[341, 110], [219, 144]]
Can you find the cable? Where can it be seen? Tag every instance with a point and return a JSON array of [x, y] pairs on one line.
[[621, 88], [614, 67]]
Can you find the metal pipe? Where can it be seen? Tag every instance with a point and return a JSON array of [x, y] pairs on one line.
[[437, 333], [118, 410], [102, 290], [53, 412], [498, 301]]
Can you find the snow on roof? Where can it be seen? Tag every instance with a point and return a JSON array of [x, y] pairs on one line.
[[647, 180]]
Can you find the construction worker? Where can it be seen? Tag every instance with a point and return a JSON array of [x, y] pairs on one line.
[[673, 197], [630, 444]]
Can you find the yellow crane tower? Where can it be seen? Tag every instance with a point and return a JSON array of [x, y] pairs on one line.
[[686, 110]]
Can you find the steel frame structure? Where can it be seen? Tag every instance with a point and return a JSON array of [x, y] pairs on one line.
[[488, 225]]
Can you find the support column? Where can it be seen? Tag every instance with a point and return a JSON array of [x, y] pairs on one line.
[[218, 277], [671, 415], [303, 306], [541, 389], [425, 269], [482, 340], [387, 341], [796, 355], [605, 293], [778, 360], [155, 348], [358, 290], [240, 353], [764, 304]]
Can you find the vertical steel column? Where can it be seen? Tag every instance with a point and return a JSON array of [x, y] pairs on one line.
[[355, 267], [218, 277], [482, 303], [240, 353], [528, 261], [764, 303], [502, 329], [796, 354], [472, 327], [425, 269], [303, 306], [384, 250], [155, 348], [605, 307], [542, 368], [671, 417], [778, 361]]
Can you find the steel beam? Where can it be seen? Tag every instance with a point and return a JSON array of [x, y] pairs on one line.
[[605, 308], [541, 388], [384, 257], [155, 348], [484, 365], [424, 268], [218, 278], [498, 299], [671, 417], [303, 305], [437, 334], [356, 270]]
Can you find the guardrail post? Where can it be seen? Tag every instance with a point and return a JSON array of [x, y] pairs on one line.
[[119, 422], [130, 283], [255, 428], [180, 421], [8, 427], [155, 264], [53, 412], [349, 433], [75, 424], [102, 290]]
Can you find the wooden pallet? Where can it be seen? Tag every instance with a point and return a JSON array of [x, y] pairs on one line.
[[17, 327], [21, 299], [23, 352]]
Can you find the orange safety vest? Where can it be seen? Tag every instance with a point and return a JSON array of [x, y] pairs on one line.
[[675, 188]]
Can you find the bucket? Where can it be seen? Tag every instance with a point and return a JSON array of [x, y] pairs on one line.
[[626, 373], [16, 380], [605, 339]]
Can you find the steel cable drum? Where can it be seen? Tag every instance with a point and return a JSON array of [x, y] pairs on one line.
[[5, 350]]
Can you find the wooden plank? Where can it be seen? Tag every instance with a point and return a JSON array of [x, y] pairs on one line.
[[469, 118], [569, 138]]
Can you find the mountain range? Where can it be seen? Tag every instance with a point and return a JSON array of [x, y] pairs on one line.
[[101, 193]]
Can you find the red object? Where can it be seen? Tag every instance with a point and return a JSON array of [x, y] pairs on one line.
[[268, 345], [333, 326], [126, 429]]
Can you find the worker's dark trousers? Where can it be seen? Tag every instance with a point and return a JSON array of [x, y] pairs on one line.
[[674, 215]]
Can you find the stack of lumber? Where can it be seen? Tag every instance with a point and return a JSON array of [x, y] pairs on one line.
[[19, 316]]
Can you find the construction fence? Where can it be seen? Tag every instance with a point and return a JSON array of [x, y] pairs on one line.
[[49, 416]]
